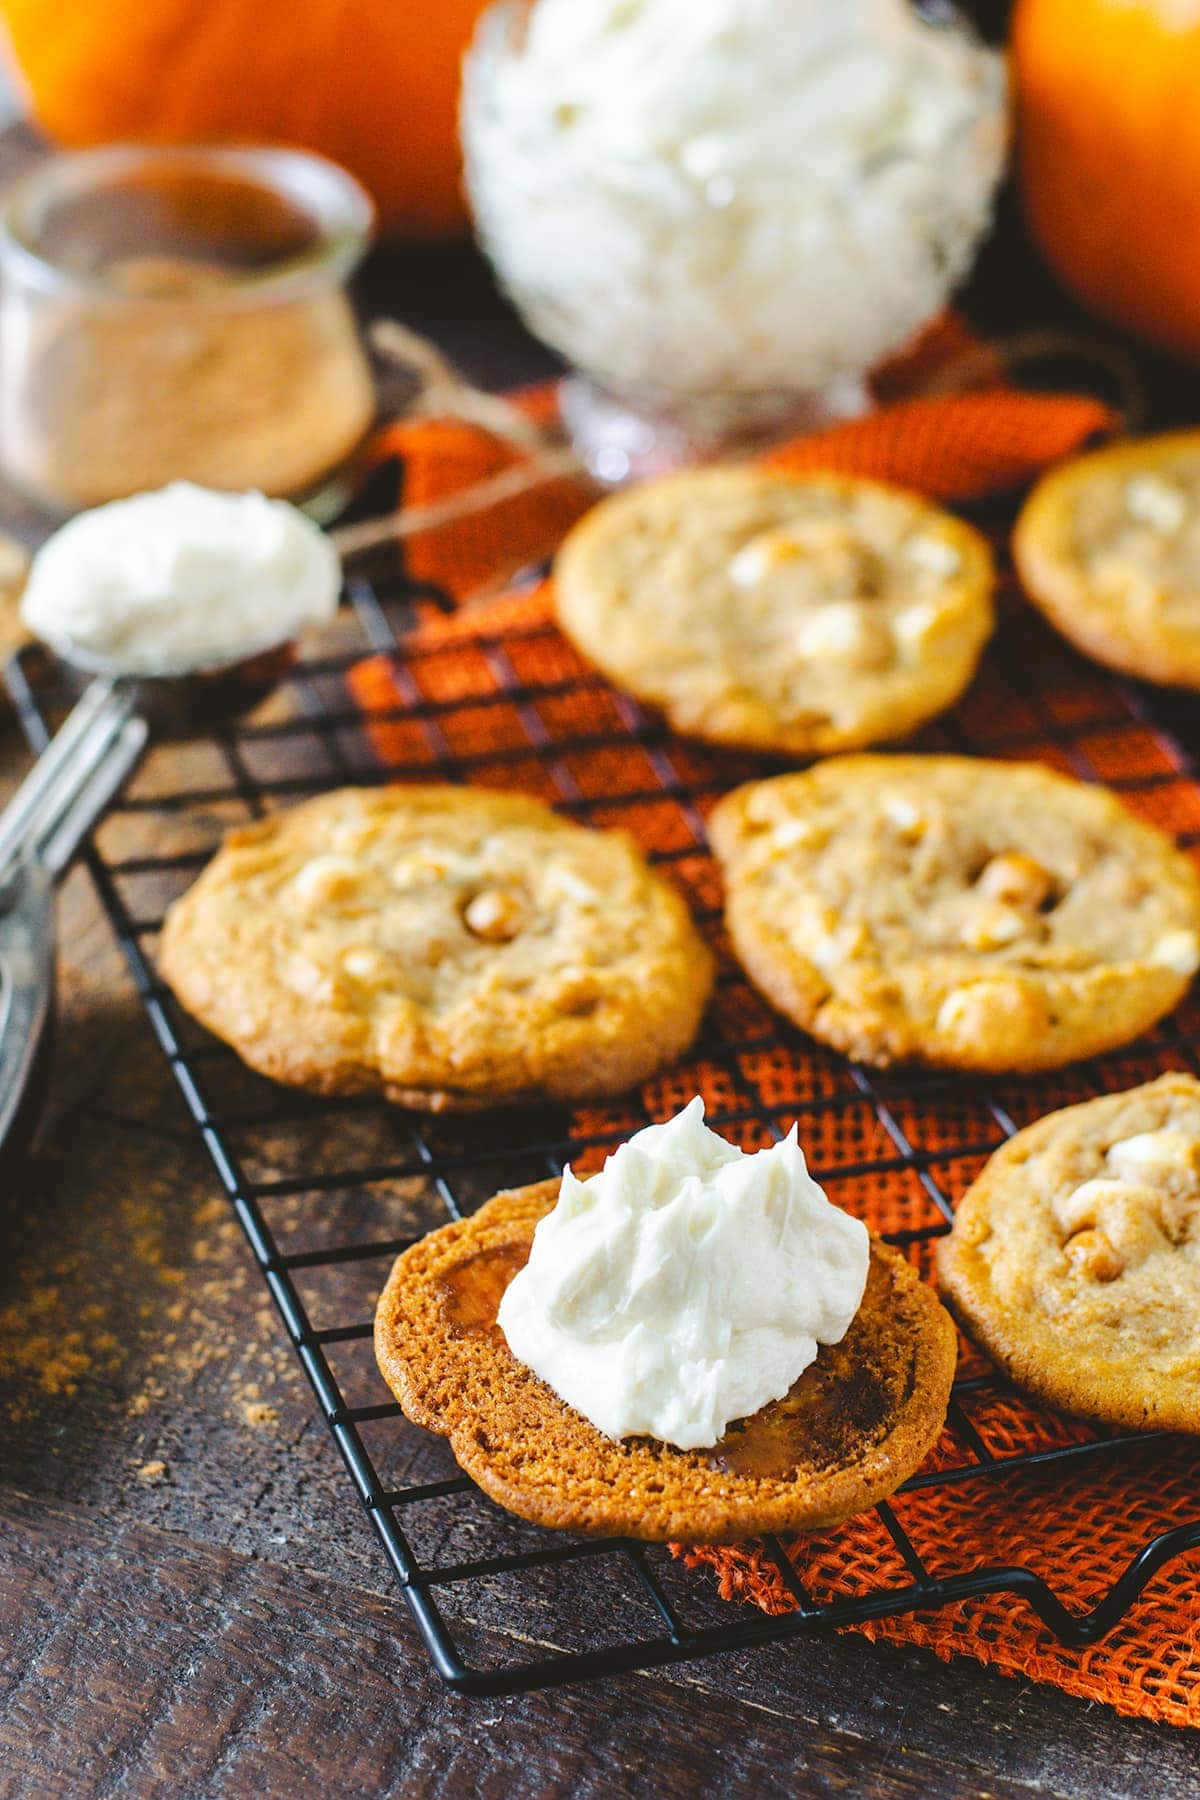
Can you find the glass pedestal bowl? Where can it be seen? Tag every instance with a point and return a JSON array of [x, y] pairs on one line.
[[719, 268]]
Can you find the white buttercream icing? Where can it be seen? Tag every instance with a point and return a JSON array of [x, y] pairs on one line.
[[181, 578], [685, 1285], [731, 197]]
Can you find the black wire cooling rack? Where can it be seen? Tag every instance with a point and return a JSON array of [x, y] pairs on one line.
[[329, 1191]]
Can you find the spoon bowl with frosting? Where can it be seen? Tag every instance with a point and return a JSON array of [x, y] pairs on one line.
[[173, 609], [192, 597]]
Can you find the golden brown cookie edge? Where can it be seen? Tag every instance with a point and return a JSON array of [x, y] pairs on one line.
[[725, 726], [183, 961], [1039, 1367], [850, 1491], [798, 989]]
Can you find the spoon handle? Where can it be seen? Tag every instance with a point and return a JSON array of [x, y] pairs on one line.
[[65, 793], [26, 1010], [56, 848], [72, 781]]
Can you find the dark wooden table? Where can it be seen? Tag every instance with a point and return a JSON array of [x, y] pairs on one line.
[[190, 1603]]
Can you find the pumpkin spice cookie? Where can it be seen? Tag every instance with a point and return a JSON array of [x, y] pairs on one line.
[[1074, 1259], [1108, 547], [980, 915], [855, 1425], [451, 947], [798, 614]]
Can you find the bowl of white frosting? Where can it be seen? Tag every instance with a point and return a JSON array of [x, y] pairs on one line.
[[725, 215]]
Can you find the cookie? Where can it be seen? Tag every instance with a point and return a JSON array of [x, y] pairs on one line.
[[451, 947], [1108, 547], [1074, 1260], [855, 1426], [982, 915], [798, 614]]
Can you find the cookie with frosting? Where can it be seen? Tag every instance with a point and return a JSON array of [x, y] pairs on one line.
[[857, 1423]]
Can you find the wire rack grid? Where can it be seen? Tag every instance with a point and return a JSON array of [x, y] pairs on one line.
[[329, 1191]]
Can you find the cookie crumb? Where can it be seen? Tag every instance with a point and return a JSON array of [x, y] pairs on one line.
[[259, 1413]]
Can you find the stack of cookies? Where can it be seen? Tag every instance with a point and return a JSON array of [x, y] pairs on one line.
[[458, 949]]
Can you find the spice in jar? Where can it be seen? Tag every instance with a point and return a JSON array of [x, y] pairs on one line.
[[187, 322]]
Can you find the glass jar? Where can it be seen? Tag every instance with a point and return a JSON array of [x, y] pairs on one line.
[[181, 314]]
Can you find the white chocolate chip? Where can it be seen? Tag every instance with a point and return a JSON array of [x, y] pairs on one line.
[[363, 964], [786, 544], [1152, 1153], [933, 555], [496, 915], [844, 631], [826, 938], [1155, 502], [824, 951], [1015, 879], [778, 839], [433, 865], [565, 884], [306, 978], [326, 878], [1178, 951], [913, 624], [993, 926], [957, 1009], [837, 629], [753, 563], [1123, 579], [789, 834], [1127, 1215], [1084, 1204], [904, 815], [997, 1007]]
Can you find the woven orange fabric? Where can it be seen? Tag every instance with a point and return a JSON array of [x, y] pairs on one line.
[[440, 457], [496, 689], [951, 447], [954, 446]]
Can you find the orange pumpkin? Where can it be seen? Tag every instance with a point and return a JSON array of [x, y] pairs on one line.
[[1108, 95], [371, 83]]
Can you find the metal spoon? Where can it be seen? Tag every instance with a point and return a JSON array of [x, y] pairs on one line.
[[58, 804]]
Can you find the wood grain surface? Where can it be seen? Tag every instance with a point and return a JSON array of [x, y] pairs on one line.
[[191, 1603]]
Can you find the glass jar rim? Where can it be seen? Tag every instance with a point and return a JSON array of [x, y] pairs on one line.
[[338, 206]]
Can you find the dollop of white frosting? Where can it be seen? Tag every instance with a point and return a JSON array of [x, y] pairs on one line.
[[730, 196], [181, 578], [686, 1285]]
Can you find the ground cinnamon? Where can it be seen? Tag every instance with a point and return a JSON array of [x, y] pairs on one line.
[[177, 373]]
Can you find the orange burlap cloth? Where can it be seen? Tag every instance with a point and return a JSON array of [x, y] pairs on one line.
[[495, 690]]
